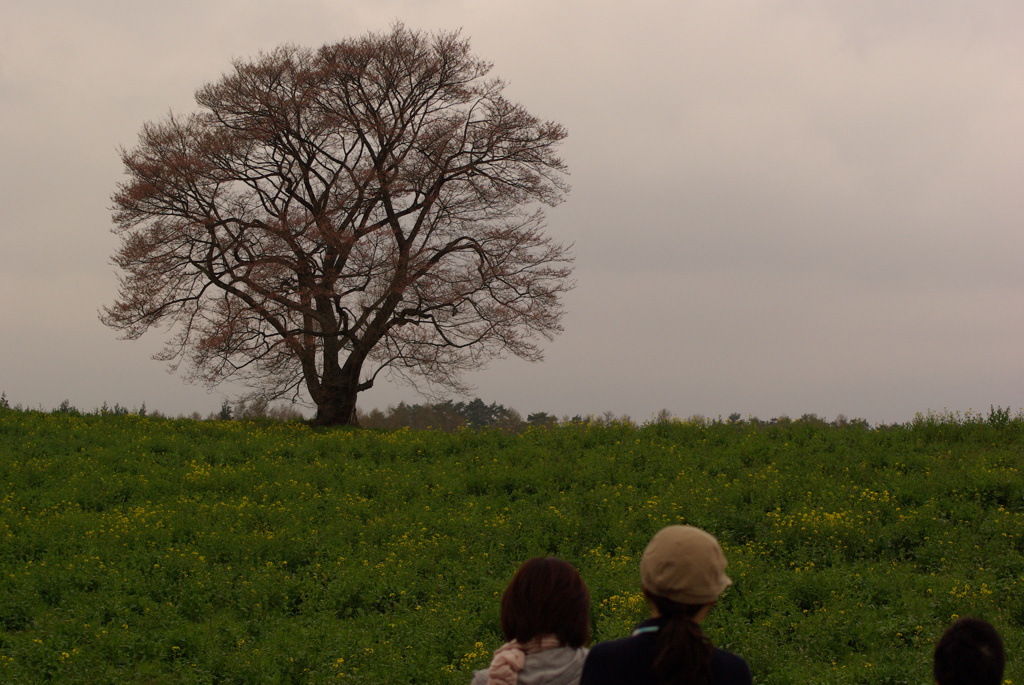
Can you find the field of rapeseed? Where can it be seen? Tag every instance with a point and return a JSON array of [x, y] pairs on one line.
[[142, 550]]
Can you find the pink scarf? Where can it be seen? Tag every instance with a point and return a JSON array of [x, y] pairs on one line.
[[510, 658]]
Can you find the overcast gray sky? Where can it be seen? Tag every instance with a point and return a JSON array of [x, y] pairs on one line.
[[778, 207]]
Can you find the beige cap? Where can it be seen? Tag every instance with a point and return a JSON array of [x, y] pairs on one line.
[[684, 564]]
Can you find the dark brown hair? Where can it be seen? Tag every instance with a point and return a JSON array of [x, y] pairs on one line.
[[682, 653], [970, 652], [546, 596]]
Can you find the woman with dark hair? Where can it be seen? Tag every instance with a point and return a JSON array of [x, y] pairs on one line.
[[970, 652], [545, 616], [682, 573]]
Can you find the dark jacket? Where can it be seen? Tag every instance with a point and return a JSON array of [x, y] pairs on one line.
[[629, 660]]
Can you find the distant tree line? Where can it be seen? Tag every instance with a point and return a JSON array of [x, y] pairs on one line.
[[240, 410], [477, 414], [446, 416], [449, 416]]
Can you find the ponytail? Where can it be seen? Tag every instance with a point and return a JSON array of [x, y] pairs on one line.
[[682, 652]]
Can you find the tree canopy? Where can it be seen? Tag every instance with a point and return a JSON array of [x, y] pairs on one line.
[[374, 205]]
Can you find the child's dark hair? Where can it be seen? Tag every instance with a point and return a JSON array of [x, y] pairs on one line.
[[682, 652], [547, 596], [970, 652]]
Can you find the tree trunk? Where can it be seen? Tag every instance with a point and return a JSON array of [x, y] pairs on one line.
[[337, 409], [339, 388]]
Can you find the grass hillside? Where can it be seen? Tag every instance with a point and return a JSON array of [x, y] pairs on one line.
[[142, 550]]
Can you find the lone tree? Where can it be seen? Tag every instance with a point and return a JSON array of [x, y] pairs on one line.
[[331, 214]]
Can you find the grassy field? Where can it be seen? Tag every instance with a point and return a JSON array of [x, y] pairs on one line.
[[142, 550]]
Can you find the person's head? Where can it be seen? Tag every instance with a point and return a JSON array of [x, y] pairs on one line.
[[547, 596], [969, 652], [684, 564], [682, 573]]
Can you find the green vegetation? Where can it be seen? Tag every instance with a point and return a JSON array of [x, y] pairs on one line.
[[137, 549]]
